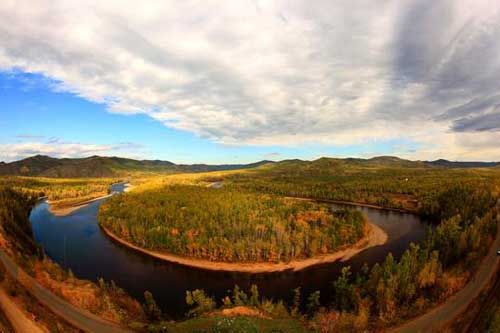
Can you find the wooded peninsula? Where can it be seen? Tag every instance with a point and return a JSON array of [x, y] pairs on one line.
[[225, 224]]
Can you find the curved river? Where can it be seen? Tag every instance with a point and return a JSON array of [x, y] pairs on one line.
[[76, 242]]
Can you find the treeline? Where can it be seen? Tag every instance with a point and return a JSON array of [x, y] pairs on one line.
[[469, 201], [229, 224], [200, 302], [390, 187], [240, 311], [58, 189]]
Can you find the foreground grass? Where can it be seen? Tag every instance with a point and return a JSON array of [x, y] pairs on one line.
[[240, 324]]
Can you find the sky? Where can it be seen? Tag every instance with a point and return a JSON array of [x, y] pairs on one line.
[[241, 81]]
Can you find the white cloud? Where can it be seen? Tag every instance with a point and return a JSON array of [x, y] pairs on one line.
[[56, 148], [276, 73]]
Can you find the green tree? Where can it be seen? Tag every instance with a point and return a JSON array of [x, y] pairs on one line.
[[343, 290], [200, 301], [296, 302], [239, 296], [150, 308], [254, 295], [313, 302]]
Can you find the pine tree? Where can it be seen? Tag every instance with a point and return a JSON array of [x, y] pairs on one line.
[[150, 308]]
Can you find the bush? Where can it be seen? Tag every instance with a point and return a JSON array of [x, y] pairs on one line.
[[150, 308], [200, 301]]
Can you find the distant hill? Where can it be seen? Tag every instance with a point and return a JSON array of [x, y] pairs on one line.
[[451, 164], [327, 162], [98, 166], [393, 161], [328, 165]]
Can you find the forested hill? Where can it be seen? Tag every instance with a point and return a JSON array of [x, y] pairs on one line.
[[98, 166], [327, 164]]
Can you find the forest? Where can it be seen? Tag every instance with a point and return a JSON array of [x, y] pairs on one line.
[[394, 290], [407, 188], [59, 191], [229, 224], [15, 207]]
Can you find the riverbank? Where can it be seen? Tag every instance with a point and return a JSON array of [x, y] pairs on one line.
[[375, 236], [67, 209], [352, 203]]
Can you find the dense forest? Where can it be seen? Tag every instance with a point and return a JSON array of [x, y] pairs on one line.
[[427, 273], [388, 293], [14, 212], [229, 224], [331, 179], [59, 191]]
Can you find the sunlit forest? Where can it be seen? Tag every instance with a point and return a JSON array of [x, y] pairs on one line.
[[408, 188], [228, 224], [395, 289], [59, 191]]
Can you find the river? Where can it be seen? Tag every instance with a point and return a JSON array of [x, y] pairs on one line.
[[76, 242]]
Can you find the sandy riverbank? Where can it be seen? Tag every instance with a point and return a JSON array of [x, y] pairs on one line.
[[375, 236], [128, 187], [68, 209]]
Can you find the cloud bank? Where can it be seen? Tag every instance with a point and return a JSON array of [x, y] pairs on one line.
[[56, 148], [280, 72]]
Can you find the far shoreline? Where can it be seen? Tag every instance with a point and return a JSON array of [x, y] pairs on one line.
[[70, 208], [374, 237], [354, 203], [66, 209]]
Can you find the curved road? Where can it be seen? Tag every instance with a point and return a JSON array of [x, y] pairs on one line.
[[79, 318], [454, 306], [16, 316]]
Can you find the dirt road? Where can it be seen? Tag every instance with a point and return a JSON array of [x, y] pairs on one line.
[[79, 318], [16, 317]]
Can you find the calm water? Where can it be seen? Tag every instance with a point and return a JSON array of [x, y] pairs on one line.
[[76, 241]]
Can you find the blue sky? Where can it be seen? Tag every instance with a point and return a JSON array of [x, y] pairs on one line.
[[241, 81], [33, 111]]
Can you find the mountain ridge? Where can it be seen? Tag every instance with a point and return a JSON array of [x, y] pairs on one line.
[[101, 166]]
